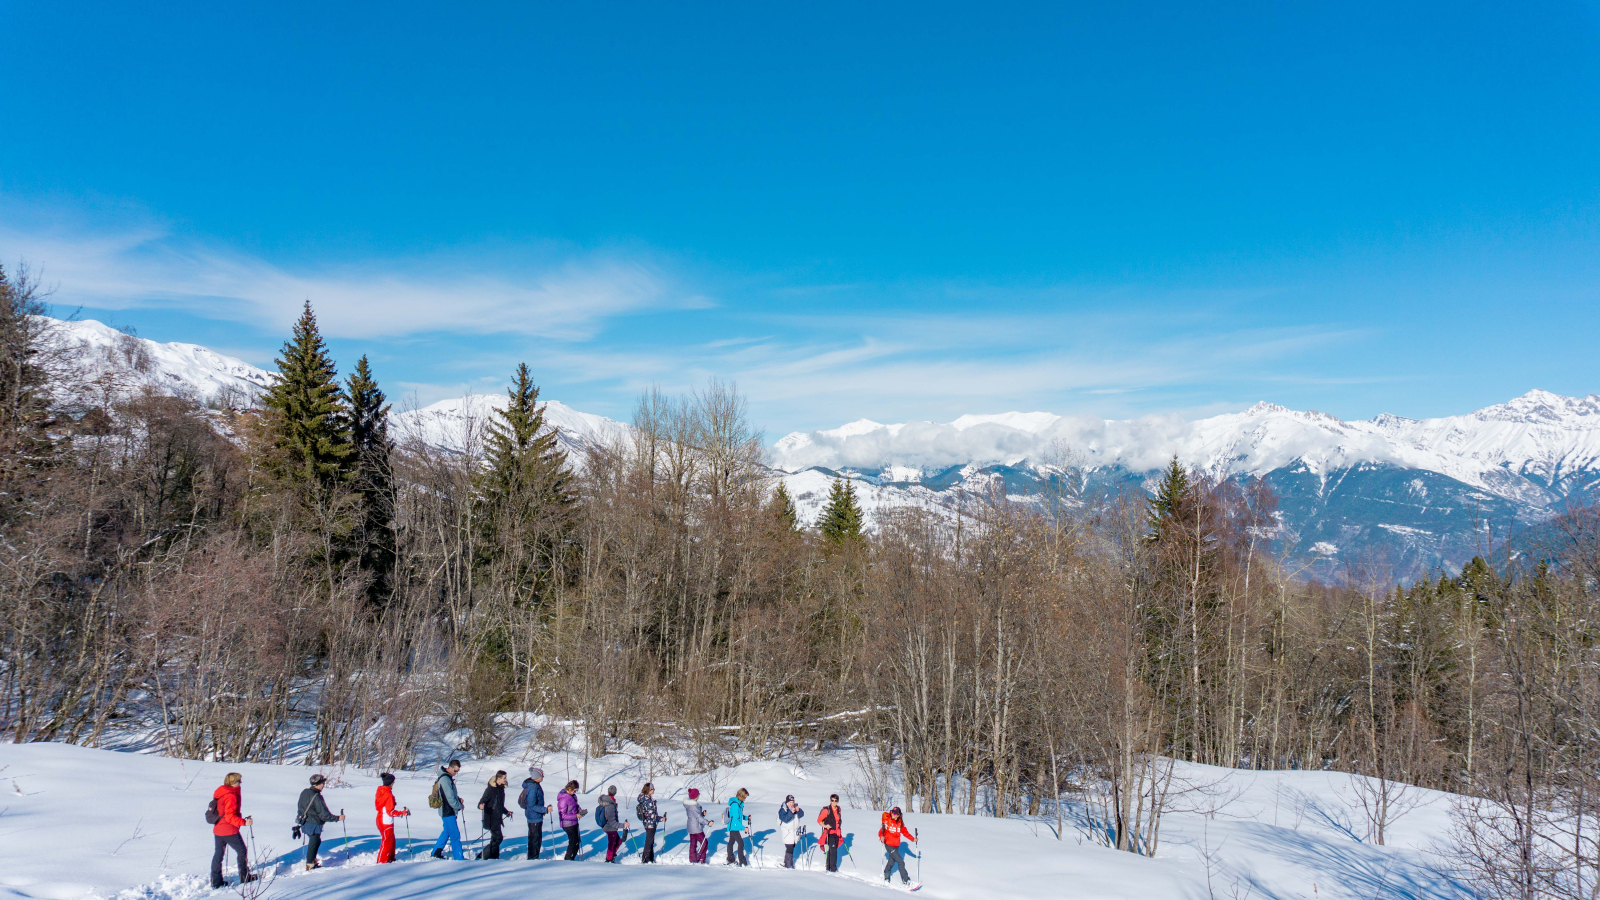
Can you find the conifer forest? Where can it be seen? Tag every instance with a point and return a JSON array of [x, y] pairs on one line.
[[226, 579]]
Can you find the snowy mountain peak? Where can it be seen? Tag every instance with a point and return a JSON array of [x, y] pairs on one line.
[[124, 363]]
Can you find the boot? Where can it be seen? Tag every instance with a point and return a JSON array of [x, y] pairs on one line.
[[438, 854]]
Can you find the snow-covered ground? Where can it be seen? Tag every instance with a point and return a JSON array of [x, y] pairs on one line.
[[80, 823]]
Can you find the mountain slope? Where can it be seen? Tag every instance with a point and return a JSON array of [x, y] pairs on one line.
[[123, 363]]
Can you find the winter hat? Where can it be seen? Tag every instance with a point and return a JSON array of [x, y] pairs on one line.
[[788, 798], [317, 779], [535, 772], [694, 793], [387, 779], [895, 811]]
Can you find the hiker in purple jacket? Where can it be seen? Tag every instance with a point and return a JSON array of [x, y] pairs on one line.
[[571, 814]]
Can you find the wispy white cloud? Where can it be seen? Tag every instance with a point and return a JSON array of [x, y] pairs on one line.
[[143, 264]]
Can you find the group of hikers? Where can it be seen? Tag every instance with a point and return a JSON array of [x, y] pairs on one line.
[[312, 813]]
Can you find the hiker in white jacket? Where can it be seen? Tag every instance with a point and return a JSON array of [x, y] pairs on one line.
[[699, 822], [790, 826]]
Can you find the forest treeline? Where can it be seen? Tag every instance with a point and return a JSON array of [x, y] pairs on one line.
[[229, 579]]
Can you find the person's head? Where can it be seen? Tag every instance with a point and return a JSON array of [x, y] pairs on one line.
[[317, 781], [387, 778], [648, 789], [743, 794], [572, 786], [833, 799], [895, 813], [454, 766], [499, 778], [694, 793], [536, 773], [232, 779], [611, 791]]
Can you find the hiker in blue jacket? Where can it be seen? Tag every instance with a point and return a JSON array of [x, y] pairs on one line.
[[532, 802], [736, 826], [449, 806]]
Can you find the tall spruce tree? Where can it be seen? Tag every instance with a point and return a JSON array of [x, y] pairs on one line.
[[25, 441], [373, 477], [1172, 498], [526, 465], [781, 506], [841, 521], [312, 432]]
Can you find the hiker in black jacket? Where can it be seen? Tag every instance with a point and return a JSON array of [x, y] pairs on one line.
[[313, 813], [493, 804]]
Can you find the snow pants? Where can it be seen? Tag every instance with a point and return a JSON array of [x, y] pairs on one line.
[[449, 832], [613, 843], [572, 841], [833, 852], [649, 854], [895, 860], [788, 856], [697, 848], [535, 838], [223, 842], [736, 839], [385, 843], [496, 835]]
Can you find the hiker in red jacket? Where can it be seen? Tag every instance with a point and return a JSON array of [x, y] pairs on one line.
[[225, 832], [892, 833], [387, 813], [832, 821]]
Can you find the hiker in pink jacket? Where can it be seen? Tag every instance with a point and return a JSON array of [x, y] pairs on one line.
[[571, 814]]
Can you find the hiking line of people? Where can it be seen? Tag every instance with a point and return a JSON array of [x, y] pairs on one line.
[[313, 813]]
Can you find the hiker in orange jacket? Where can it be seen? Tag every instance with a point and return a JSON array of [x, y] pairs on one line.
[[892, 832], [225, 830]]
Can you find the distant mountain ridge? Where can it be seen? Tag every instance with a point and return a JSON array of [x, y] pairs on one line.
[[1412, 494]]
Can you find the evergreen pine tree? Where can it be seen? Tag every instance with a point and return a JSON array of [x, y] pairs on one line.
[[782, 508], [526, 465], [373, 480], [1171, 499], [841, 521], [311, 427]]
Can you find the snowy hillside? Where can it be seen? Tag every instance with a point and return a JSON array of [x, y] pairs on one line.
[[84, 824], [124, 363]]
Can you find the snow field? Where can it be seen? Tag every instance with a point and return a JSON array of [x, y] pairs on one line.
[[79, 823]]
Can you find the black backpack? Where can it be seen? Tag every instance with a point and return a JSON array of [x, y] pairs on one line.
[[212, 815]]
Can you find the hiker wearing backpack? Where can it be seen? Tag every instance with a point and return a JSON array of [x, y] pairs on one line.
[[698, 824], [447, 801], [832, 821], [891, 833], [649, 819], [571, 814], [495, 814], [610, 823], [223, 814], [312, 813], [737, 821], [387, 813], [790, 827], [533, 809]]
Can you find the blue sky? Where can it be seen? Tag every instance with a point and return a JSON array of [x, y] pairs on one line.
[[893, 211]]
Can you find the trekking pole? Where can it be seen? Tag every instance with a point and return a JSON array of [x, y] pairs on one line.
[[918, 839], [253, 854], [408, 838], [344, 843]]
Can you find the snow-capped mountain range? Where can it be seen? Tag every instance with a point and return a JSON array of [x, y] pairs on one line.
[[1412, 494]]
